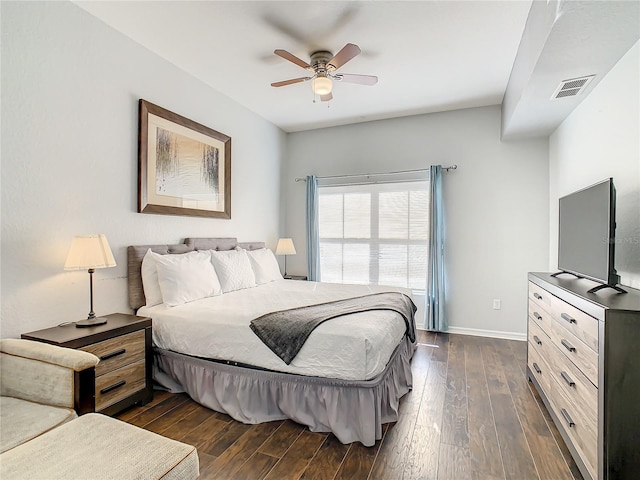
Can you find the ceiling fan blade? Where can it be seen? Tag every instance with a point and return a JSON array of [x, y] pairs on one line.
[[354, 78], [343, 56], [292, 58], [326, 98], [290, 82]]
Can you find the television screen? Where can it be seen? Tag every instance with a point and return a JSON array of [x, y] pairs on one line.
[[586, 233]]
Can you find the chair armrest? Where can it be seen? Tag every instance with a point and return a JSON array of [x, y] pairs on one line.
[[76, 360], [43, 373]]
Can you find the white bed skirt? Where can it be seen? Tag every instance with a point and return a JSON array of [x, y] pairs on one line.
[[351, 410]]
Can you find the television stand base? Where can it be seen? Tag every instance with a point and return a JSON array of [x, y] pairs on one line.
[[600, 287], [563, 272]]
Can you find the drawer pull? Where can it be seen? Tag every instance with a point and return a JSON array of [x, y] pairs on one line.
[[567, 345], [567, 418], [113, 387], [107, 356], [537, 340], [537, 315], [536, 368], [568, 318], [537, 296], [567, 379]]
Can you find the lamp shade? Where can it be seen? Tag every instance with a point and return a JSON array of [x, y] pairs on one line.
[[89, 251], [285, 247]]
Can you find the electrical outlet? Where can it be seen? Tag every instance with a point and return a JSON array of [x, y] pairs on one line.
[[497, 304]]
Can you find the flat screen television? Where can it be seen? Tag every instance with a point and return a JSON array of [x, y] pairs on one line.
[[586, 243]]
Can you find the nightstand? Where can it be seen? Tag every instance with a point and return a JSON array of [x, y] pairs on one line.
[[123, 344], [295, 277]]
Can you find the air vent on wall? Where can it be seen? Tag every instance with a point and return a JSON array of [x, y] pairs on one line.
[[572, 87]]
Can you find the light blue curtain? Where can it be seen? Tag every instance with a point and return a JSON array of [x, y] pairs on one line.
[[313, 234], [436, 276]]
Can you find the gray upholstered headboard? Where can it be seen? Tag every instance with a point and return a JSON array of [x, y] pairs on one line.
[[135, 254]]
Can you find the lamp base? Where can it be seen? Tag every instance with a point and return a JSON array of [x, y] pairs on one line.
[[91, 322]]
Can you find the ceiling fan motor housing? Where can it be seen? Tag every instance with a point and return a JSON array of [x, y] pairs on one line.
[[320, 62]]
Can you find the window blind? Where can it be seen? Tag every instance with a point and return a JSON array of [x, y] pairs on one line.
[[375, 233]]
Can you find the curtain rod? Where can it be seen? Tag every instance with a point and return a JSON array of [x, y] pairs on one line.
[[452, 167]]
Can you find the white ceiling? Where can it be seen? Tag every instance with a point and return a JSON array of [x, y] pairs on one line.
[[429, 56]]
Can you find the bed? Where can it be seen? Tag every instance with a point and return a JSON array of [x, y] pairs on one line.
[[347, 379]]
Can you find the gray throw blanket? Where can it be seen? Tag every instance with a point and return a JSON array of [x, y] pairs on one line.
[[286, 331]]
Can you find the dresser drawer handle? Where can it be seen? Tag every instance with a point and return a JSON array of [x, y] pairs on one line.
[[537, 296], [537, 340], [567, 379], [567, 345], [113, 354], [567, 417], [537, 316], [113, 387], [568, 318], [536, 368]]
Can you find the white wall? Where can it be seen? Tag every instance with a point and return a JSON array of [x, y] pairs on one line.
[[496, 202], [70, 90], [601, 139]]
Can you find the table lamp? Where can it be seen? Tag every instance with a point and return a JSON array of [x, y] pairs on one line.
[[285, 247], [90, 252]]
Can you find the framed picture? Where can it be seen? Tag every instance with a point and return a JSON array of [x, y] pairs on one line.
[[184, 168]]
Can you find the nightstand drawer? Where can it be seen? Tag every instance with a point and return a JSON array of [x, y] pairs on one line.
[[295, 277], [119, 384], [118, 351]]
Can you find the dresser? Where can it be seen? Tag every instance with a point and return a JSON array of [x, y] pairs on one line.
[[583, 356], [123, 345]]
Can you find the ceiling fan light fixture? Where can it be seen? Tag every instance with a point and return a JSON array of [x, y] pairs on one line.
[[322, 85]]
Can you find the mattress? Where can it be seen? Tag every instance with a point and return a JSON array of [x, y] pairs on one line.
[[353, 347]]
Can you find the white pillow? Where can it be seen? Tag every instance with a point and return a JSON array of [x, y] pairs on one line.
[[234, 269], [149, 273], [265, 266], [185, 278], [150, 284]]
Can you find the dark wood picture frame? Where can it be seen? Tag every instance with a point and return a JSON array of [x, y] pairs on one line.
[[217, 163]]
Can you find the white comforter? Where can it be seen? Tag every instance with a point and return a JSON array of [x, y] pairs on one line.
[[353, 347]]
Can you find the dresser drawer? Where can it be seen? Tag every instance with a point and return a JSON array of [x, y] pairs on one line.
[[540, 315], [119, 384], [583, 326], [540, 295], [118, 351], [575, 350], [579, 428], [538, 338], [540, 369]]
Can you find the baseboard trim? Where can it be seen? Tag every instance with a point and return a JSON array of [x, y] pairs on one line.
[[522, 337]]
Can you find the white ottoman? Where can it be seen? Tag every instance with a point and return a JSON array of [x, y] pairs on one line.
[[98, 447]]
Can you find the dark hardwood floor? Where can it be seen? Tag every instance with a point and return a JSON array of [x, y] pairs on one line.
[[471, 415]]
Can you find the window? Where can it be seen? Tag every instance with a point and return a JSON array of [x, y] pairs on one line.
[[375, 233]]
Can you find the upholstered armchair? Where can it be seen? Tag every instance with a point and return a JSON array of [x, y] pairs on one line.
[[41, 387]]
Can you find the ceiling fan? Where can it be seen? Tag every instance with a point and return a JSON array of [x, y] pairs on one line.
[[323, 65]]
